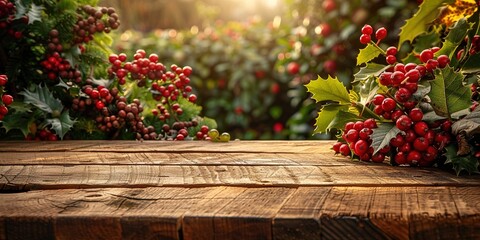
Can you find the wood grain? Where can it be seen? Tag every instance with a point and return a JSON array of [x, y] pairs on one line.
[[236, 190]]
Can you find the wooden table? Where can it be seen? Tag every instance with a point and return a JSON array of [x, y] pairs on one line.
[[235, 190]]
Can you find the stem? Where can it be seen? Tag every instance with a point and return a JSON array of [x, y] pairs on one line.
[[379, 48]]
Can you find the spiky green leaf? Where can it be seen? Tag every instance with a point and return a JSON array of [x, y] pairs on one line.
[[62, 124], [382, 135], [330, 89], [455, 37], [371, 69], [43, 99], [448, 94], [18, 120], [420, 22], [341, 118], [326, 115], [367, 54], [467, 163]]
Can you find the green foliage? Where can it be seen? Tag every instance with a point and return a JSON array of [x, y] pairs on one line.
[[367, 54], [420, 22], [448, 94], [468, 163], [329, 89], [455, 37], [326, 116], [42, 98], [61, 125], [371, 69], [382, 135]]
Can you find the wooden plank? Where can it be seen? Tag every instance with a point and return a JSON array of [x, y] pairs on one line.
[[299, 216], [21, 178], [105, 158], [251, 214], [170, 146], [198, 221]]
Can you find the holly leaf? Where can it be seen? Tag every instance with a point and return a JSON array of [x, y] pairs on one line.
[[419, 23], [470, 124], [461, 163], [367, 54], [330, 89], [382, 135], [43, 99], [455, 37], [371, 69], [18, 120], [326, 115], [62, 124], [33, 12], [341, 118], [448, 94]]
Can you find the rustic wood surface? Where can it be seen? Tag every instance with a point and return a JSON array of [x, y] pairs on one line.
[[235, 190]]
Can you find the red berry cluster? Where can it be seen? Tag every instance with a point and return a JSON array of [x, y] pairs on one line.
[[6, 98], [357, 137], [166, 86], [43, 135], [475, 47], [367, 32], [7, 19], [55, 66], [100, 19], [178, 130]]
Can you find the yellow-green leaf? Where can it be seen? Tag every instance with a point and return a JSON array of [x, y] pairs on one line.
[[326, 115], [367, 54], [420, 22], [330, 89]]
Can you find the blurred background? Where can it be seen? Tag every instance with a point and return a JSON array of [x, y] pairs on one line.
[[251, 59]]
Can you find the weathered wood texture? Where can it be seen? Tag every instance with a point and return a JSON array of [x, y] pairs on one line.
[[236, 190]]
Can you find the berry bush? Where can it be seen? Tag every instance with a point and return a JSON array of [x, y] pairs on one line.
[[414, 107], [251, 74], [60, 79]]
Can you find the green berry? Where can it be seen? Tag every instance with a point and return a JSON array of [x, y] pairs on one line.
[[225, 137]]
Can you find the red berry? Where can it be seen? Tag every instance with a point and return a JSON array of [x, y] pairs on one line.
[[104, 92], [358, 125], [348, 126], [443, 61], [416, 114], [361, 147], [388, 104], [293, 68], [381, 33], [410, 135], [3, 80], [204, 129], [351, 136], [421, 128], [99, 105], [406, 147], [3, 110], [431, 65], [446, 126], [422, 69], [7, 99], [336, 147], [344, 150], [413, 75], [385, 149], [397, 78], [402, 94], [187, 70], [397, 141], [112, 58], [421, 144], [430, 154], [410, 66], [329, 5], [400, 158], [370, 123], [391, 59], [426, 55], [392, 51], [386, 78], [367, 29], [365, 133], [396, 114], [414, 157], [192, 98], [399, 67], [378, 157], [365, 39], [403, 123]]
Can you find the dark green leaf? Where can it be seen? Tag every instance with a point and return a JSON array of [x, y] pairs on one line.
[[382, 135], [18, 120], [61, 125], [470, 124], [454, 38], [43, 99], [461, 163], [420, 22], [372, 69], [341, 118], [448, 94]]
